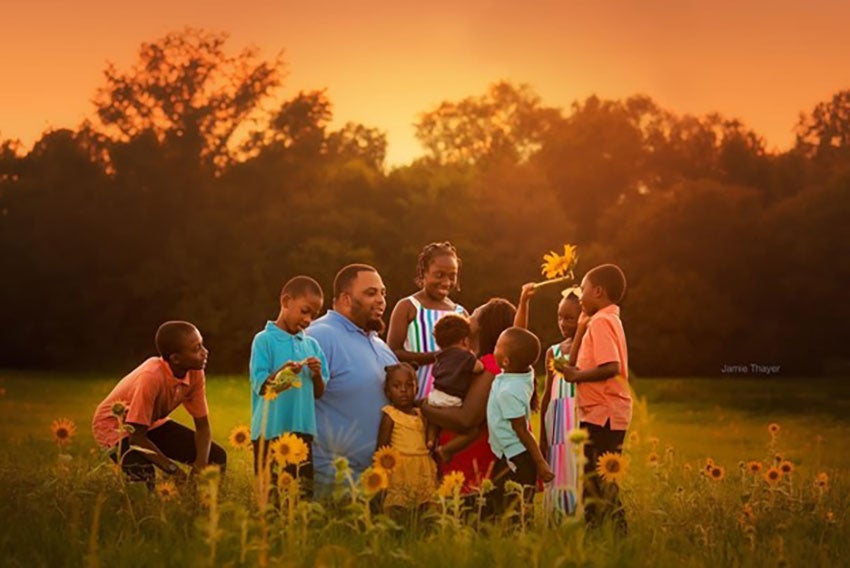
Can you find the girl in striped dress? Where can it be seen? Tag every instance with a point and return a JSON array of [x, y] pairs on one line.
[[558, 404], [559, 414], [411, 333]]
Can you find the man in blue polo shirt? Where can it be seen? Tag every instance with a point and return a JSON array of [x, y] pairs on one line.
[[349, 412]]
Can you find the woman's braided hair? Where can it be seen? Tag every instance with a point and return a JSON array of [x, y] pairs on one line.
[[428, 254]]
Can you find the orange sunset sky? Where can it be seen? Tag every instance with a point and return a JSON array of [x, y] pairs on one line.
[[383, 62]]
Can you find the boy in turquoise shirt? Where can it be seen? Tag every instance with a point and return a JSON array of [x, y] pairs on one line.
[[277, 409], [508, 412]]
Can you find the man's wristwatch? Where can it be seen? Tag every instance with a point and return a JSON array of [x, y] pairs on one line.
[[171, 468]]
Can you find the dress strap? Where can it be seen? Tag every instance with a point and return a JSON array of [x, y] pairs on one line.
[[415, 302]]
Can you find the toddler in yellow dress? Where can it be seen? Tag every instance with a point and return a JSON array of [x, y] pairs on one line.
[[412, 481]]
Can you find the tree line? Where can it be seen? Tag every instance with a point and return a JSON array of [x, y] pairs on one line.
[[189, 195]]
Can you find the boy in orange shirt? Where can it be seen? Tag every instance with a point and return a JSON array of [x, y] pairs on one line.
[[602, 391], [148, 395]]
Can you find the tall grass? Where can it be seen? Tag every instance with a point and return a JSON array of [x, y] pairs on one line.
[[67, 506]]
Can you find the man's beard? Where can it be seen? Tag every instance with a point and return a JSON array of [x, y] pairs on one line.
[[373, 324], [364, 315]]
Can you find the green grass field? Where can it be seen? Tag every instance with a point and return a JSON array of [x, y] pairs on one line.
[[73, 510]]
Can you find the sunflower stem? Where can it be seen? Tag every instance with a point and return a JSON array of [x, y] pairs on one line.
[[552, 281]]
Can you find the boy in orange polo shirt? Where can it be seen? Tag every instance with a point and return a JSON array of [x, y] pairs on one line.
[[602, 390], [149, 394]]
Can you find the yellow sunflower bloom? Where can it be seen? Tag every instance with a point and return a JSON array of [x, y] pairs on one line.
[[717, 473], [612, 467], [286, 482], [166, 490], [63, 430], [240, 437], [754, 467], [386, 458], [786, 467], [773, 475], [821, 480], [773, 428], [289, 449], [652, 459], [452, 483], [555, 265], [374, 479]]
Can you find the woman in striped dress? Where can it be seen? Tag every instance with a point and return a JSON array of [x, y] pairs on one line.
[[411, 333]]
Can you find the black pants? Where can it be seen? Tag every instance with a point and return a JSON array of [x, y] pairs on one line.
[[174, 440], [304, 473], [520, 469], [601, 498]]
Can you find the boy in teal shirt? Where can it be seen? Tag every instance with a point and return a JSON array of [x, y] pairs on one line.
[[508, 412], [276, 410]]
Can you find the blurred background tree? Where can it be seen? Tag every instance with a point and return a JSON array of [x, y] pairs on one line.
[[197, 189]]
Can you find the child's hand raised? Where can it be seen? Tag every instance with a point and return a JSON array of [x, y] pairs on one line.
[[527, 292]]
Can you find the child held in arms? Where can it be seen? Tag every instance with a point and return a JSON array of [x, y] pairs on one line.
[[455, 368]]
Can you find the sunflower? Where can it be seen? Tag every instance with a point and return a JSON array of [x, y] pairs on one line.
[[556, 366], [166, 490], [63, 430], [773, 475], [652, 459], [786, 467], [612, 467], [286, 482], [119, 409], [452, 483], [717, 473], [211, 473], [240, 437], [374, 479], [754, 467], [634, 438], [773, 428], [555, 265], [821, 480], [578, 436], [290, 449], [709, 463], [386, 458]]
